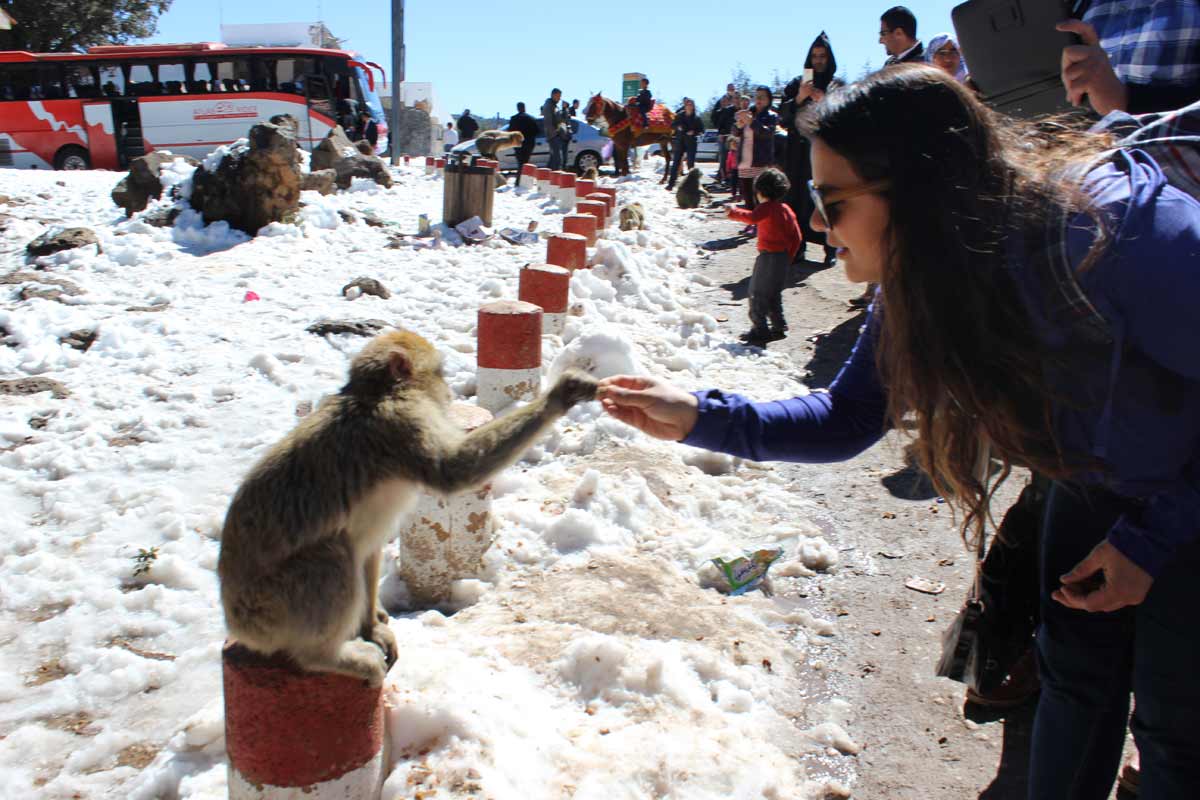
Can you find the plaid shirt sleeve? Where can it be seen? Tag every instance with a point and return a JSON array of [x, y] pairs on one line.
[[1149, 41]]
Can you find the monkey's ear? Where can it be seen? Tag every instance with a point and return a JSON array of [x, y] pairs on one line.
[[399, 365]]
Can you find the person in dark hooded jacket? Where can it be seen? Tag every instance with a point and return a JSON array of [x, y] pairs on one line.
[[800, 97]]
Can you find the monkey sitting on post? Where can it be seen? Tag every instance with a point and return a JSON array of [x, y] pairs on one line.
[[301, 547], [689, 194], [491, 143], [632, 217]]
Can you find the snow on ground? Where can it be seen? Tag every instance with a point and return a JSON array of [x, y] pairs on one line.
[[587, 661]]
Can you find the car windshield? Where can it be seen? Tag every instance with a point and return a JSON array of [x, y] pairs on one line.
[[368, 94]]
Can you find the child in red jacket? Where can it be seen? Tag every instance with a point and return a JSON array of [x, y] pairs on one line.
[[779, 239]]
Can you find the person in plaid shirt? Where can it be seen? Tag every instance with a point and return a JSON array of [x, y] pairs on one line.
[[1136, 55]]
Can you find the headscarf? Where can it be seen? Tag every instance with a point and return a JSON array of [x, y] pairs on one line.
[[821, 79], [937, 43]]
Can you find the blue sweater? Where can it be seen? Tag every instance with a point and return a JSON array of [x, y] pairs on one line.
[[1146, 285]]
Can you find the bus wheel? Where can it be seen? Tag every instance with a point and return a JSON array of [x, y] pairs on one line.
[[72, 158]]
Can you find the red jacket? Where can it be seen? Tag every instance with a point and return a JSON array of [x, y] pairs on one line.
[[778, 231]]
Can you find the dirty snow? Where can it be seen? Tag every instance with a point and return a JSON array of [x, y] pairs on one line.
[[586, 661]]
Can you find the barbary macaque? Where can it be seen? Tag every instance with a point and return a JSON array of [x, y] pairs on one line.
[[632, 217], [690, 194], [492, 143], [301, 547]]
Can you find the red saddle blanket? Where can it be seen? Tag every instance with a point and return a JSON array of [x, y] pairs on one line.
[[660, 121]]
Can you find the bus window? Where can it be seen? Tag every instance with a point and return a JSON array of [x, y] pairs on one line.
[[233, 75], [290, 73], [170, 77], [141, 81], [81, 81], [16, 81], [112, 81], [49, 84], [203, 80]]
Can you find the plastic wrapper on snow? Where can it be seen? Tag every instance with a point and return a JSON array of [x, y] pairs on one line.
[[747, 571], [601, 351]]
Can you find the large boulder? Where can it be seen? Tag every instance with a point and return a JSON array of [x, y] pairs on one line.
[[252, 186], [142, 184], [338, 153]]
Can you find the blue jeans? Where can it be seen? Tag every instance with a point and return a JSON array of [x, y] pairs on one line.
[[558, 153], [1089, 664]]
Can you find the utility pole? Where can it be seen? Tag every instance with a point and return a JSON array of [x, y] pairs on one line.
[[397, 75]]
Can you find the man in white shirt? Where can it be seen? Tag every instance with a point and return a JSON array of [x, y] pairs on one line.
[[450, 137]]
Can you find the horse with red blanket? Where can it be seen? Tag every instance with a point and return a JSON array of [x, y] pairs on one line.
[[626, 129]]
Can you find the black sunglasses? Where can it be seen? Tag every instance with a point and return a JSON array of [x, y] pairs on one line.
[[826, 200]]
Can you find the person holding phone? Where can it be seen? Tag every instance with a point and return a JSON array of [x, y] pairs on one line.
[[1138, 57], [756, 128], [795, 114], [1035, 307]]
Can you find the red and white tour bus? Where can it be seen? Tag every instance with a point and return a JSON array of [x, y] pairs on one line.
[[101, 108]]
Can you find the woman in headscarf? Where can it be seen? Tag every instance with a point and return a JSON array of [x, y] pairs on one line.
[[800, 97], [943, 51]]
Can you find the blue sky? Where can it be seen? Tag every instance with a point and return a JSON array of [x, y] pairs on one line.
[[487, 56]]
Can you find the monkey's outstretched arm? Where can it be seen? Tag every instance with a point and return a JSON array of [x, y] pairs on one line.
[[491, 448]]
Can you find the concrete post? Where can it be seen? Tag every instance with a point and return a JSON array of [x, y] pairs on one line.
[[509, 353], [293, 735], [447, 535]]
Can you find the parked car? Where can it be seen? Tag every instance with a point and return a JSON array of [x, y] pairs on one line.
[[707, 148], [586, 149]]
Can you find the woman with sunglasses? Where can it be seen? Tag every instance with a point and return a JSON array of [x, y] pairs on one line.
[[978, 231]]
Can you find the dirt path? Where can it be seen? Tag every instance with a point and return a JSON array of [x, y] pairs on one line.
[[888, 525]]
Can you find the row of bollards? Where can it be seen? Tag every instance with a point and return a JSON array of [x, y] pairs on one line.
[[293, 735]]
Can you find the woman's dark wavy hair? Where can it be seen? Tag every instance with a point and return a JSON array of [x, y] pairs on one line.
[[956, 345]]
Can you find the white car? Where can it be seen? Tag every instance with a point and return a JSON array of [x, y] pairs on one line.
[[585, 150], [707, 148]]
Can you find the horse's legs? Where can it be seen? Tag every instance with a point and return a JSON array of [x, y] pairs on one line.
[[666, 148]]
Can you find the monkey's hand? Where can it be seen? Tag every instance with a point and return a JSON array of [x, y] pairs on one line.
[[572, 387]]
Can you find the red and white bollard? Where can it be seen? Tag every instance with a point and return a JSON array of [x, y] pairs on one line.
[[291, 734], [584, 187], [612, 196], [567, 250], [583, 225], [566, 199], [509, 354], [407, 160], [556, 186], [430, 165], [610, 201], [543, 180], [528, 176], [447, 535], [548, 286], [441, 166], [596, 208]]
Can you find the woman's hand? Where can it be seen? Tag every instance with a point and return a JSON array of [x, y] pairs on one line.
[[1104, 581], [652, 406], [806, 91]]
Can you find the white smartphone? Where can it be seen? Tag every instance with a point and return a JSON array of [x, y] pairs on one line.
[[808, 75]]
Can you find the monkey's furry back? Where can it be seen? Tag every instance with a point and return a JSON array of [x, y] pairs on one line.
[[304, 487]]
